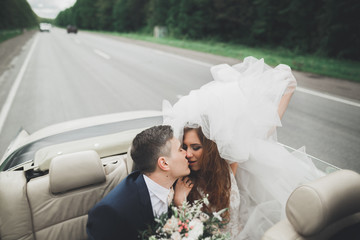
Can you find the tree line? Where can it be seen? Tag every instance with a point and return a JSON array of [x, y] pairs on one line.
[[322, 27], [16, 14]]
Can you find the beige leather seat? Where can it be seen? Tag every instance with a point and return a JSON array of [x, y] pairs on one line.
[[328, 208], [55, 206], [15, 214]]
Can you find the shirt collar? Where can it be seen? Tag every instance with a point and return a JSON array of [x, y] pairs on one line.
[[160, 192]]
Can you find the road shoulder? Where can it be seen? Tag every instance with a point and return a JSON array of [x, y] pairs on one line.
[[9, 50]]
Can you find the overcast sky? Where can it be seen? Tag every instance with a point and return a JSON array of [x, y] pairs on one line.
[[49, 8]]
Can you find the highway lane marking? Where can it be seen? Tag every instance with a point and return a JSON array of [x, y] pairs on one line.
[[326, 96], [102, 54], [10, 98]]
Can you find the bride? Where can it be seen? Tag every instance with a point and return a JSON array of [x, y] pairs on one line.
[[228, 128]]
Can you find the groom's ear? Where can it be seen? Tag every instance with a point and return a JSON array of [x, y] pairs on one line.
[[163, 164]]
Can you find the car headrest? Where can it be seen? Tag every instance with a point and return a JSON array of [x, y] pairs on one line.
[[313, 206], [75, 170], [129, 161]]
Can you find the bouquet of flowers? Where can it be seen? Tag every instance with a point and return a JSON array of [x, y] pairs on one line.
[[188, 222]]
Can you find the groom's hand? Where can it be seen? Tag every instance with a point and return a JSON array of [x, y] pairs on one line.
[[182, 189]]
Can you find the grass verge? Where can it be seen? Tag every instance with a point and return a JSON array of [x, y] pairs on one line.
[[7, 34], [342, 69]]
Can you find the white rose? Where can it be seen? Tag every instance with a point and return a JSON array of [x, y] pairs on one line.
[[171, 225], [196, 229], [176, 236]]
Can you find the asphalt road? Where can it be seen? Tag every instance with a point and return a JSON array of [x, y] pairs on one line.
[[71, 76]]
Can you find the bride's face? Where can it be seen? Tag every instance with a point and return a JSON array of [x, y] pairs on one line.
[[193, 148]]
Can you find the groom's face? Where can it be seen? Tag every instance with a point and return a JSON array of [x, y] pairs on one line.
[[177, 161]]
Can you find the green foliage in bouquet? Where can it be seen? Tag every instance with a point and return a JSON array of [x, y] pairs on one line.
[[188, 222]]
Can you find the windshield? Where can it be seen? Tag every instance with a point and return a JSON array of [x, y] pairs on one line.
[[319, 164]]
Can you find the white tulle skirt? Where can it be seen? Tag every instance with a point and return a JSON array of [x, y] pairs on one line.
[[265, 182], [238, 110]]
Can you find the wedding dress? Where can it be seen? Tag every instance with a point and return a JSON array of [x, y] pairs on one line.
[[234, 226], [238, 110]]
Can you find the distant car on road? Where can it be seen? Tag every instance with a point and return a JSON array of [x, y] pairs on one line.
[[71, 29], [44, 27]]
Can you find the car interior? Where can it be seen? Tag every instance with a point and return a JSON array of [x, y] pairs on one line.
[[54, 205], [326, 209]]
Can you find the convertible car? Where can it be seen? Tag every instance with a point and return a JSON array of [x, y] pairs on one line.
[[50, 179]]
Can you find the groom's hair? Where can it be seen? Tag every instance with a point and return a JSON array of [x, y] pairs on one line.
[[149, 145]]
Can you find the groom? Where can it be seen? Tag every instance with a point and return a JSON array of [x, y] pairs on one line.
[[131, 206]]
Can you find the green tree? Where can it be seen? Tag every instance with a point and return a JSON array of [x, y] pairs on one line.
[[104, 14], [339, 29], [65, 17], [129, 15], [234, 19], [86, 11], [15, 14], [270, 24], [327, 27], [302, 30], [194, 19], [172, 18], [157, 13]]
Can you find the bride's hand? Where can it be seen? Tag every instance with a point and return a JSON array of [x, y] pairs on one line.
[[182, 190], [284, 102]]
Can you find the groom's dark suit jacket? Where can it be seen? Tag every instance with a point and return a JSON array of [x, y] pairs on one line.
[[123, 212]]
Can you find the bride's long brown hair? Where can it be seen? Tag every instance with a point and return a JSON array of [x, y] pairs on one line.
[[212, 178]]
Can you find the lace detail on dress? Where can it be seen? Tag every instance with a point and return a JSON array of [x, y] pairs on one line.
[[234, 226]]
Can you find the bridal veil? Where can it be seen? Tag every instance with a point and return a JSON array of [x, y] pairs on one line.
[[239, 111]]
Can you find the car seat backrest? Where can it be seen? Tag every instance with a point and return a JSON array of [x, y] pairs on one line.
[[15, 215], [60, 200], [323, 209], [129, 161], [75, 170], [313, 206]]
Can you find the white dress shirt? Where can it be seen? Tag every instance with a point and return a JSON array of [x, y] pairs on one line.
[[158, 196]]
